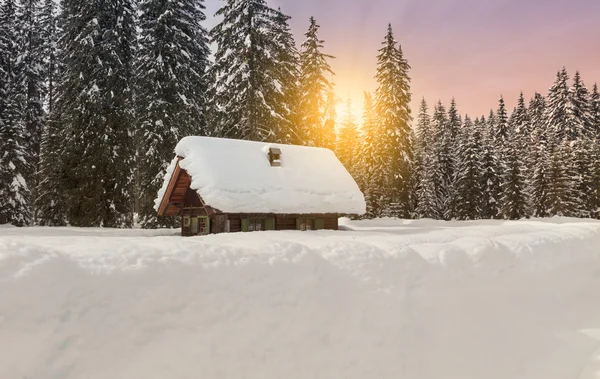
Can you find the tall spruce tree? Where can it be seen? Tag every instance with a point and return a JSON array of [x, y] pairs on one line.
[[392, 104], [563, 199], [501, 128], [595, 112], [247, 88], [514, 201], [371, 160], [97, 113], [556, 115], [51, 204], [425, 166], [443, 159], [538, 157], [490, 159], [454, 129], [579, 110], [594, 197], [15, 166], [468, 188], [172, 86], [316, 86], [347, 146], [288, 73], [32, 60]]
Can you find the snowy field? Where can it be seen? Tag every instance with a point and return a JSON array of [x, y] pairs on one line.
[[383, 299]]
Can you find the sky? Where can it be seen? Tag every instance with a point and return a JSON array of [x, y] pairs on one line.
[[472, 50]]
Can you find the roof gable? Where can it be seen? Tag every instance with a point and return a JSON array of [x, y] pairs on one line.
[[236, 176]]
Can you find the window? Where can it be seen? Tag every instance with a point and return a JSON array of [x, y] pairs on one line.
[[305, 224], [186, 221], [256, 224]]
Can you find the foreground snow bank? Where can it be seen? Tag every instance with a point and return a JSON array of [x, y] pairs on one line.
[[384, 299]]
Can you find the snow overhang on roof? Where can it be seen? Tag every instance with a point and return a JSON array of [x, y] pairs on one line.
[[236, 176]]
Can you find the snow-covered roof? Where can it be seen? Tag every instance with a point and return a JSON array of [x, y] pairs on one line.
[[236, 176]]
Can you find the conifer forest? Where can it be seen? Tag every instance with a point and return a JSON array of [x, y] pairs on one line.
[[94, 96]]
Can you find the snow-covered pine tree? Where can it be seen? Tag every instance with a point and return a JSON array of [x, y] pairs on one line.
[[371, 160], [348, 139], [490, 208], [579, 116], [443, 161], [563, 199], [51, 205], [288, 71], [514, 201], [538, 157], [49, 36], [521, 123], [582, 154], [594, 197], [501, 129], [247, 90], [32, 61], [595, 112], [454, 129], [315, 87], [579, 109], [424, 132], [14, 159], [171, 89], [425, 166], [392, 104], [97, 114], [468, 189], [556, 114]]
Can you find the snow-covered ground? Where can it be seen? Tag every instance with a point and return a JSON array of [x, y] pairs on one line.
[[383, 299]]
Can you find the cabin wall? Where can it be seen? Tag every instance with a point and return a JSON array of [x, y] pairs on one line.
[[234, 220]]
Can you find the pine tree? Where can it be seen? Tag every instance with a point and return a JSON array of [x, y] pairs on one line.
[[443, 159], [97, 113], [514, 201], [315, 88], [538, 157], [595, 112], [491, 171], [468, 192], [392, 104], [582, 155], [371, 160], [425, 166], [562, 195], [171, 90], [51, 204], [288, 72], [454, 129], [49, 36], [501, 130], [32, 58], [14, 157], [579, 110], [594, 197], [347, 147], [556, 115], [247, 88], [539, 186]]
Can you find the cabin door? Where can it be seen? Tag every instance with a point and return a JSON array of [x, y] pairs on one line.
[[195, 225]]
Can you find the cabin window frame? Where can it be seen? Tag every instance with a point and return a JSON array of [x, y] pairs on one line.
[[310, 223], [256, 224], [187, 222]]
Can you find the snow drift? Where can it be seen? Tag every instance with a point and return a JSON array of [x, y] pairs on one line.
[[384, 299]]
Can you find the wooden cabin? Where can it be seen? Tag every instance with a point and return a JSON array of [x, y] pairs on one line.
[[221, 186]]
